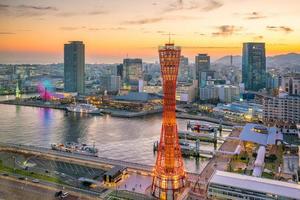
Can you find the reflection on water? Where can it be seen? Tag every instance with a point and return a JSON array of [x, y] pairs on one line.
[[117, 138]]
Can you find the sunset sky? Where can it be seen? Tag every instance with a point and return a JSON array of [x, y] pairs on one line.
[[34, 31]]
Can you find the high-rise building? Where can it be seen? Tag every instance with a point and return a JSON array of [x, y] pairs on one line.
[[205, 76], [254, 66], [290, 83], [202, 63], [169, 174], [110, 83], [183, 72], [272, 82], [74, 66], [132, 72], [284, 109], [120, 71]]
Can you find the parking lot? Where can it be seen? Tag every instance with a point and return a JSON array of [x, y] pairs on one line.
[[63, 170], [69, 169]]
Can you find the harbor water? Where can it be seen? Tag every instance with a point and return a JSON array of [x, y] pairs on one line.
[[117, 138]]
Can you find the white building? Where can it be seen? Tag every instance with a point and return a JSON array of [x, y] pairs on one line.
[[152, 89], [282, 110], [186, 92], [291, 83], [110, 83], [225, 93], [226, 185], [208, 92]]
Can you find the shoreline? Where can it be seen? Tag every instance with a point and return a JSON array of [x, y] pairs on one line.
[[122, 113]]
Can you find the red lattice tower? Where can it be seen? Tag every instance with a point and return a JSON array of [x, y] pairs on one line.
[[169, 175]]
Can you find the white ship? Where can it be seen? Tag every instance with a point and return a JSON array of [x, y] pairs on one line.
[[199, 126], [72, 147], [84, 108]]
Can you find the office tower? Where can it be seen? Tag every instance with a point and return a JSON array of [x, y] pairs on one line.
[[120, 71], [169, 175], [202, 63], [74, 65], [205, 76], [272, 82], [254, 66], [110, 83], [132, 72], [183, 71]]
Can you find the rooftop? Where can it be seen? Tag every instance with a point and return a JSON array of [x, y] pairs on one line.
[[260, 134], [137, 96], [281, 188]]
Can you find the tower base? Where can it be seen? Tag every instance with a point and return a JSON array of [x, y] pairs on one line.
[[167, 187]]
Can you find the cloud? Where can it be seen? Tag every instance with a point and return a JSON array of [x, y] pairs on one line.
[[258, 37], [285, 29], [227, 30], [71, 28], [71, 14], [212, 5], [7, 33], [4, 6], [206, 5], [67, 14], [254, 15], [30, 7], [96, 29], [75, 28], [210, 47], [118, 28], [144, 21], [26, 10], [198, 33], [97, 12]]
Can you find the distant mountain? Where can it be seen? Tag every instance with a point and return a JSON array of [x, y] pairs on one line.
[[290, 59], [236, 60], [283, 60]]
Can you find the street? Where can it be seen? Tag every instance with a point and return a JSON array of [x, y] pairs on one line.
[[14, 189]]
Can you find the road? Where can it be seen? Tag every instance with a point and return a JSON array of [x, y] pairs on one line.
[[14, 189]]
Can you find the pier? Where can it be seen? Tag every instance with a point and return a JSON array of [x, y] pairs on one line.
[[188, 150]]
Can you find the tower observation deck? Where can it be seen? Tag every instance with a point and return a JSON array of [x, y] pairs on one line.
[[169, 174]]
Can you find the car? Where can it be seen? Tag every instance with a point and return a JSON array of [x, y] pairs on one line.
[[58, 194], [21, 178], [35, 181], [64, 194], [46, 171], [63, 175], [4, 174]]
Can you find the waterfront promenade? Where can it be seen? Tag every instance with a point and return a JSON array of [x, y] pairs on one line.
[[219, 161]]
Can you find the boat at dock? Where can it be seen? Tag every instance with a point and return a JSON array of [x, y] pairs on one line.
[[198, 126], [84, 108], [72, 147]]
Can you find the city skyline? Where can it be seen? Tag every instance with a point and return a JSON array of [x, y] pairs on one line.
[[113, 30]]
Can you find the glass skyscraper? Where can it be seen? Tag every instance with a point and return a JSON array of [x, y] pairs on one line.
[[74, 65], [254, 66], [132, 72], [202, 63]]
